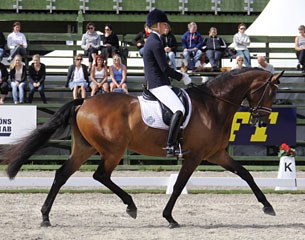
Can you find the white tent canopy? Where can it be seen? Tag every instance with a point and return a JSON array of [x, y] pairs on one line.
[[279, 18]]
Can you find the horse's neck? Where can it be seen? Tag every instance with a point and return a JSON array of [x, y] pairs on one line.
[[233, 92]]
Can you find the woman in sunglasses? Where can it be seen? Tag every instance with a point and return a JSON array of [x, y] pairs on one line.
[[91, 43], [110, 42], [78, 77], [241, 42]]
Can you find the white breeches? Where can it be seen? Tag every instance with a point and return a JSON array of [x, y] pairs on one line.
[[166, 95]]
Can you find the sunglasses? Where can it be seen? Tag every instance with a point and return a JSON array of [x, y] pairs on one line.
[[107, 29], [90, 27], [79, 59]]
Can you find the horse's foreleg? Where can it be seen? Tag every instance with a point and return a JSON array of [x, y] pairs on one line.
[[103, 177], [235, 167], [188, 167]]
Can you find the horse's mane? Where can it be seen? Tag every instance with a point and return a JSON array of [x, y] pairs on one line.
[[228, 75], [222, 81]]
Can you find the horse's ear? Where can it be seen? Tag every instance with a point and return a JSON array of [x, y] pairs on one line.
[[276, 77]]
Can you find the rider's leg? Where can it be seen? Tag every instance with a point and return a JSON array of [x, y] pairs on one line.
[[170, 99], [173, 132]]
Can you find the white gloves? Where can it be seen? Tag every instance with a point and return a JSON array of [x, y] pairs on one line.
[[186, 79]]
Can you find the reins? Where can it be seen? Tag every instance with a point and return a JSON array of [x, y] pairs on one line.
[[254, 109], [194, 85]]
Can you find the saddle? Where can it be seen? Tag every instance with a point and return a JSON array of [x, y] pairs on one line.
[[166, 112]]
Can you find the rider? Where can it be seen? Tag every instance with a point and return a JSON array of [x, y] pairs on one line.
[[158, 74]]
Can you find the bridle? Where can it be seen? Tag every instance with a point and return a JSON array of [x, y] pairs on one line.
[[259, 111], [256, 111]]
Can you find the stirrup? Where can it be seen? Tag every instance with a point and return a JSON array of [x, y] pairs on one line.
[[172, 151]]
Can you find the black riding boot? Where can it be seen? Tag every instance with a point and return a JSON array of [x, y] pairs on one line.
[[174, 129]]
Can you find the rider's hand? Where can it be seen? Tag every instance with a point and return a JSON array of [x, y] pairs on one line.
[[186, 79]]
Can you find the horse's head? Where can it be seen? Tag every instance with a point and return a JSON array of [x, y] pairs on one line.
[[260, 98]]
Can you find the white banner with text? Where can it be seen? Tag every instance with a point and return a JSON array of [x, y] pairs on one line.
[[16, 122]]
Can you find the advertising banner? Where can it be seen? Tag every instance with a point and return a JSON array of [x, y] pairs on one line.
[[281, 129], [16, 122]]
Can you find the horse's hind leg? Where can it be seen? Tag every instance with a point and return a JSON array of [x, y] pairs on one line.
[[81, 151], [233, 166], [103, 174]]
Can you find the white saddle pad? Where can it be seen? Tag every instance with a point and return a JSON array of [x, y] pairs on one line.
[[152, 114]]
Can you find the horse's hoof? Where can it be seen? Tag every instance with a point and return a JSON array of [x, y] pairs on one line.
[[132, 212], [173, 225], [269, 210], [45, 224]]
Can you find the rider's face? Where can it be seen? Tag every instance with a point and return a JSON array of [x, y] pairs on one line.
[[163, 27]]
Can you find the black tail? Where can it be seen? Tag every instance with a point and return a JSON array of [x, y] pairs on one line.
[[16, 155]]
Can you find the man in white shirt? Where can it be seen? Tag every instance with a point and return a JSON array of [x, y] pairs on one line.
[[261, 60], [16, 42]]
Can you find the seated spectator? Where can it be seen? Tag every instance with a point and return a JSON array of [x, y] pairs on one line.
[[170, 46], [239, 64], [118, 73], [241, 42], [261, 60], [300, 48], [214, 48], [37, 76], [91, 43], [99, 76], [3, 82], [2, 46], [16, 42], [191, 45], [110, 42], [78, 77], [18, 78], [140, 39]]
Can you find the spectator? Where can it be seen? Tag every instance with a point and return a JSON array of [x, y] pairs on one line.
[[37, 76], [99, 76], [110, 42], [118, 73], [3, 82], [78, 77], [170, 46], [2, 46], [18, 78], [140, 39], [16, 42], [91, 43], [300, 48], [239, 64], [191, 45], [264, 65], [214, 48], [241, 42]]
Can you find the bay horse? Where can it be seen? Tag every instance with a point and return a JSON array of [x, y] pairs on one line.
[[109, 124]]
